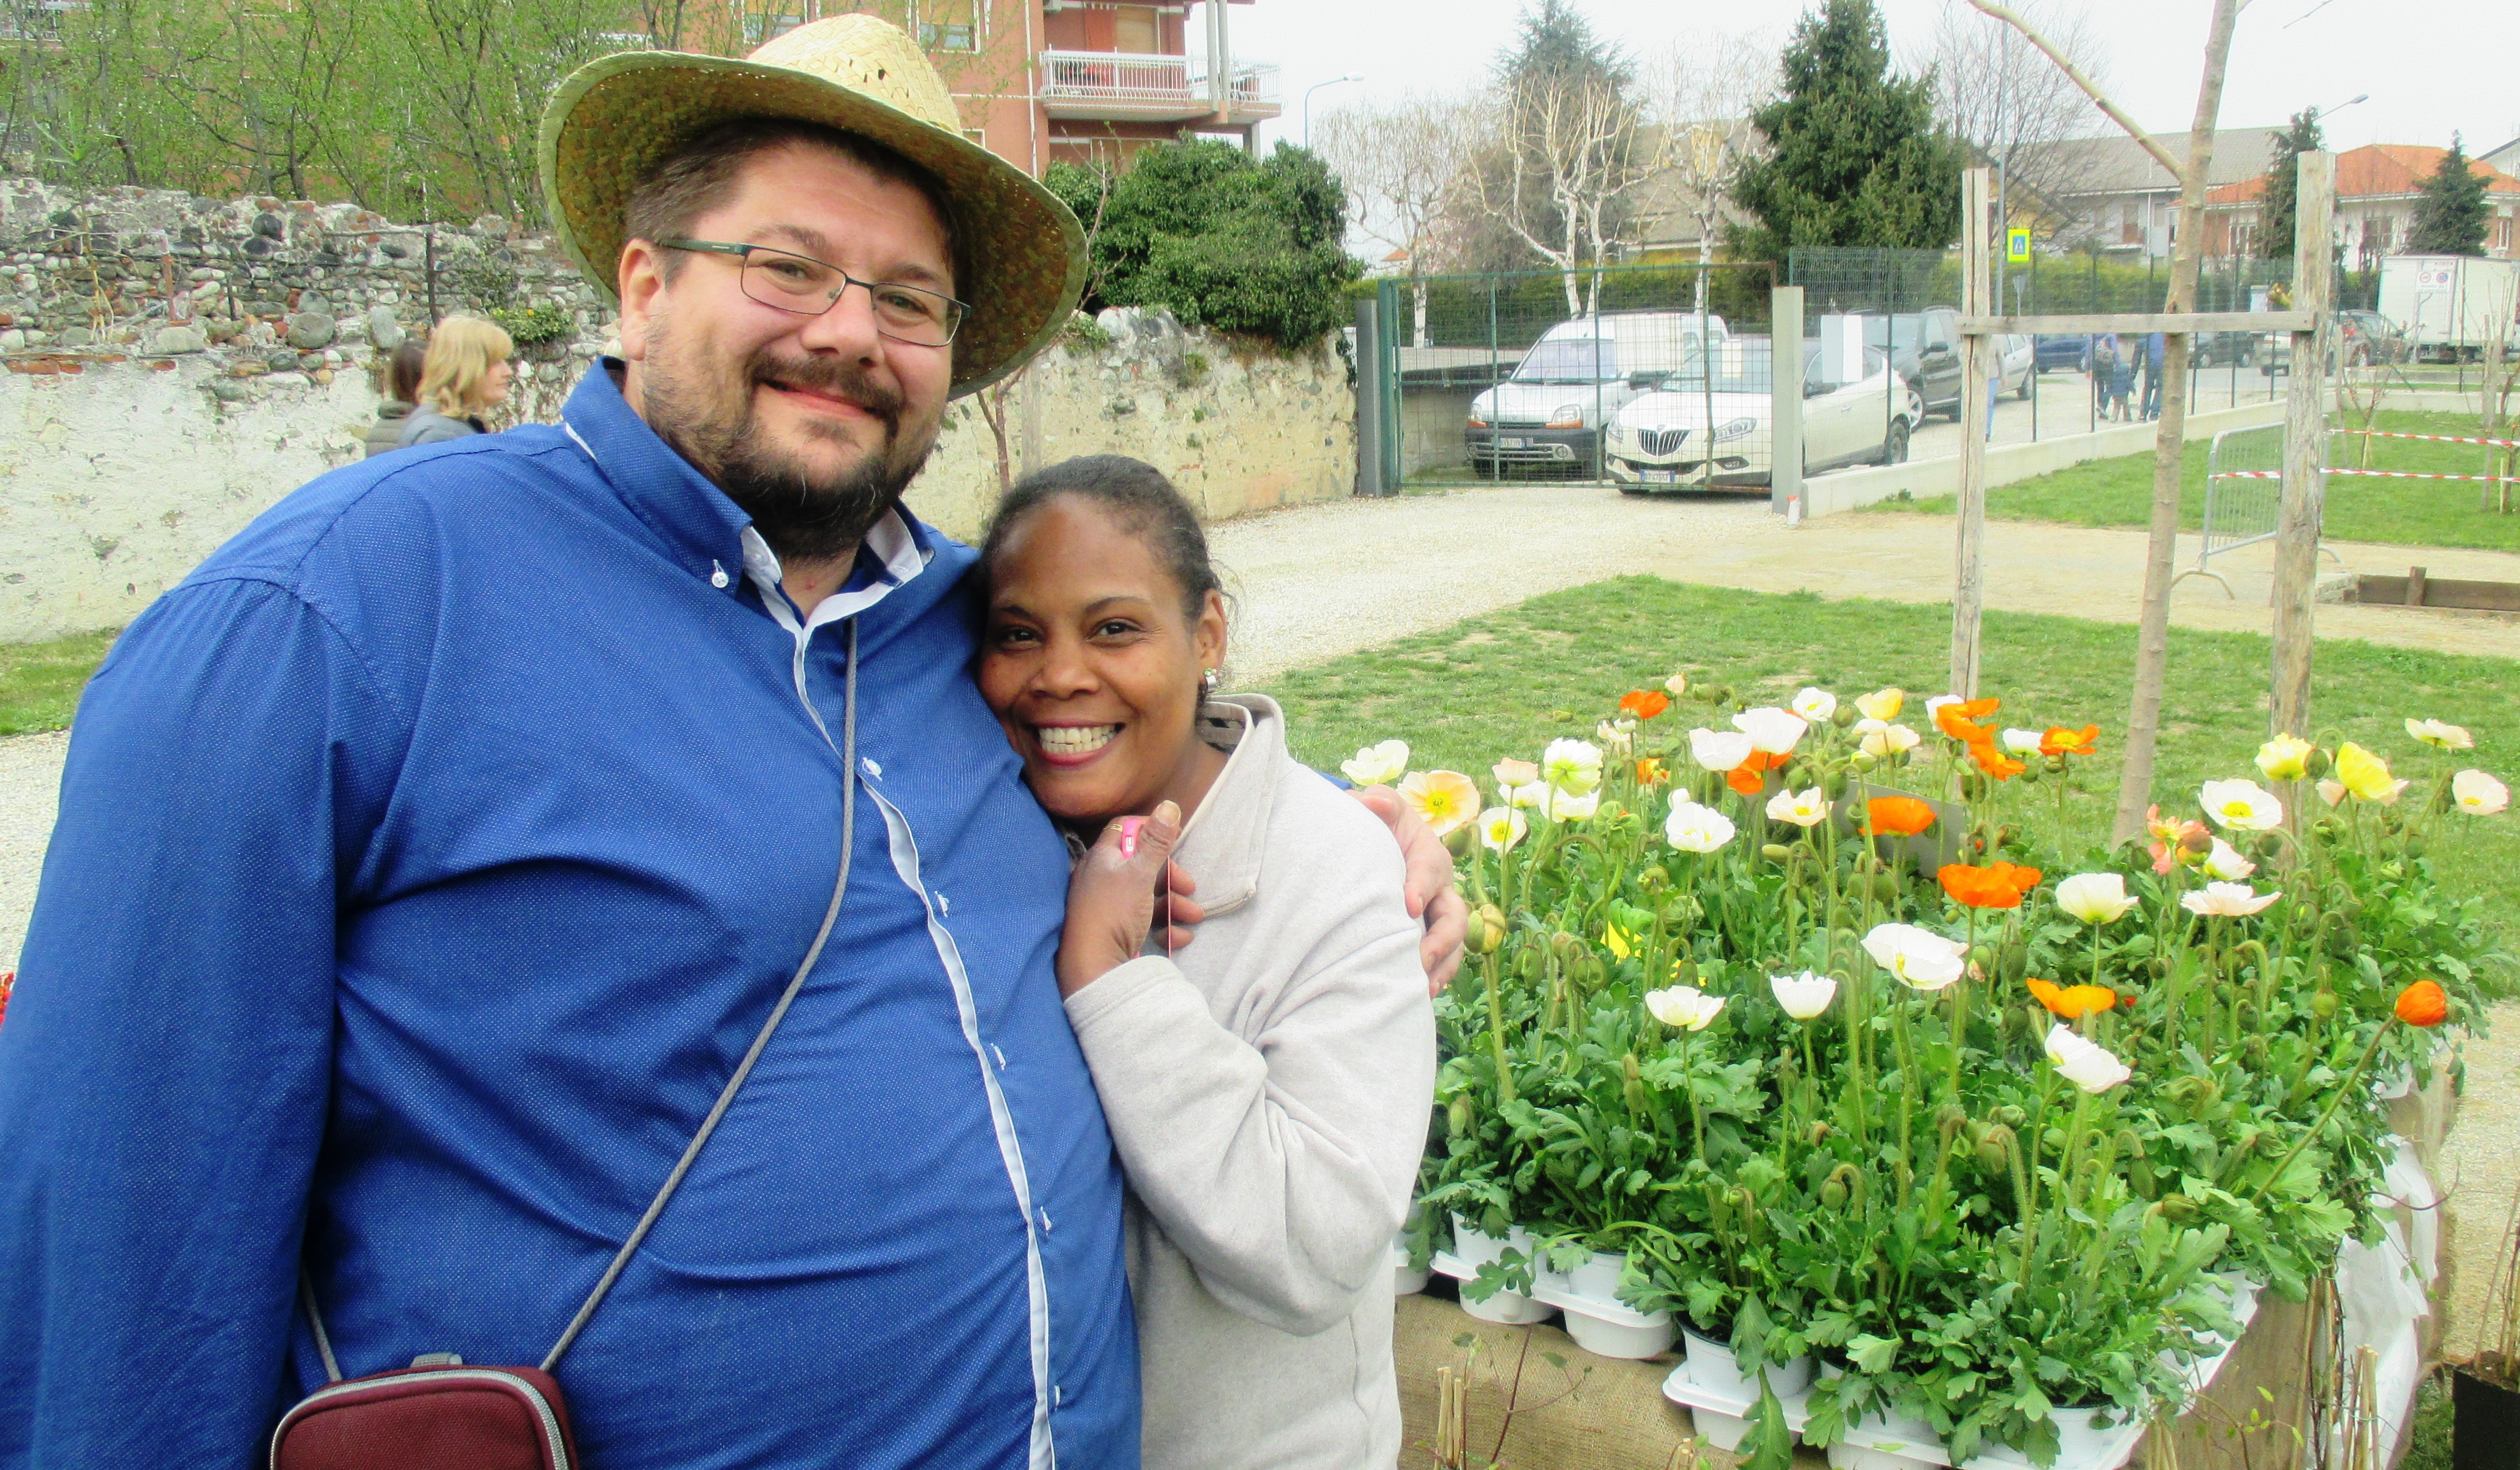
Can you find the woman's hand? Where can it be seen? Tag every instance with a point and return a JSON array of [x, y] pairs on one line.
[[1112, 896], [1432, 897]]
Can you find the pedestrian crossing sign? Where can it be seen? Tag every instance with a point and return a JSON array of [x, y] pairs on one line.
[[2016, 246]]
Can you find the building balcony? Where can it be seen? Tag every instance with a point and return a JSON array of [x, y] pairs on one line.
[[1120, 85]]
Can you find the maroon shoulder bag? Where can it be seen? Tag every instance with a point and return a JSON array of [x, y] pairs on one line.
[[442, 1413]]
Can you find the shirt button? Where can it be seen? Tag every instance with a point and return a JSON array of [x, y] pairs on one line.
[[870, 768], [944, 906], [1045, 1221]]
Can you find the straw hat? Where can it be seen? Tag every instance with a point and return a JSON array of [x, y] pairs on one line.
[[618, 118]]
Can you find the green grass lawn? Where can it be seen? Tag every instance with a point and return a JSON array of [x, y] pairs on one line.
[[1487, 687], [2118, 492], [40, 682]]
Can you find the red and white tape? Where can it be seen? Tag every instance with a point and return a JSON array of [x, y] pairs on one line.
[[2382, 433]]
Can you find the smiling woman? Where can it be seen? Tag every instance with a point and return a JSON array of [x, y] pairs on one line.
[[1258, 1084]]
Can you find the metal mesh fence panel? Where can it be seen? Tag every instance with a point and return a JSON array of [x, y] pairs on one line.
[[1638, 376]]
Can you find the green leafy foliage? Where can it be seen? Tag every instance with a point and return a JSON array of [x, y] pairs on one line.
[[1854, 157], [1222, 240], [2451, 212], [2284, 183], [535, 326], [1911, 1184]]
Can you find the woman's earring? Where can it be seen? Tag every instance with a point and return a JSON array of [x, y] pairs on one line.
[[1208, 681]]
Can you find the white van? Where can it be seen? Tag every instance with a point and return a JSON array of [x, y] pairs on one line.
[[1580, 374]]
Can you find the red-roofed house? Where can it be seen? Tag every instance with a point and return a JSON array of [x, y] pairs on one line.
[[2376, 189]]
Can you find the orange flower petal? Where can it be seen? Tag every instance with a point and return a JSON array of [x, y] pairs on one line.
[[1994, 762], [2059, 741], [1897, 816], [1645, 704], [1745, 778], [2424, 1003]]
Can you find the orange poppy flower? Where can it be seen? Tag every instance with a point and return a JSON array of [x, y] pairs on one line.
[[1994, 762], [1897, 816], [1747, 778], [2424, 1003], [2058, 740], [1979, 887], [2073, 1001], [1952, 722], [2022, 879], [1645, 704], [1650, 772]]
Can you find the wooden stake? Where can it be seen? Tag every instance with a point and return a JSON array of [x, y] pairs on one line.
[[1968, 586], [2153, 635], [2305, 475]]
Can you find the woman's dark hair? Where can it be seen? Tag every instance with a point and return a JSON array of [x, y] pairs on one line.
[[402, 369], [1137, 495]]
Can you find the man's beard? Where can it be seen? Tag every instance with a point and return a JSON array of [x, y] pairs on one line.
[[804, 514]]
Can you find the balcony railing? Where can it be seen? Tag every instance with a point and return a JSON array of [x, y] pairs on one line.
[[1123, 79]]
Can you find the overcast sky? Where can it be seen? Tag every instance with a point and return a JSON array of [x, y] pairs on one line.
[[2429, 66]]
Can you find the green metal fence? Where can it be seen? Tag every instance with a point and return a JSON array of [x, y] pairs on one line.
[[1629, 374]]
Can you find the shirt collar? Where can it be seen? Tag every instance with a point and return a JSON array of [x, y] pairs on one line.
[[708, 534]]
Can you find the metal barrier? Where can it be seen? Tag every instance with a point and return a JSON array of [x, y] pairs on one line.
[[2244, 497]]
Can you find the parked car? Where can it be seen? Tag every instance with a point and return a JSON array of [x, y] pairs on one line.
[[2059, 350], [2016, 364], [1924, 350], [2366, 338], [1668, 436], [1551, 409]]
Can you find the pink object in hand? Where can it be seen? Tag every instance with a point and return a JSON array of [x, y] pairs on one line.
[[1129, 836]]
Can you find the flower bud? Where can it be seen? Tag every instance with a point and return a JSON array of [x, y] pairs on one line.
[[2010, 1116], [1633, 1085], [1818, 1133], [1995, 1149], [2178, 1209], [1861, 761], [2128, 1143], [1885, 887], [1487, 930], [1844, 716], [1834, 786], [2317, 764], [1654, 880], [1530, 962], [2028, 775], [2055, 1142], [1461, 1117], [2323, 1004], [1949, 1120], [1775, 851], [1833, 1194]]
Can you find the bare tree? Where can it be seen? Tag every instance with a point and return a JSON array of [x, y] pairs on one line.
[[2011, 105], [1698, 97], [1565, 151], [1405, 166]]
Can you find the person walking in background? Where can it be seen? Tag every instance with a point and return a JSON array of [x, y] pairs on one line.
[[464, 375], [401, 389], [2156, 357], [2104, 375]]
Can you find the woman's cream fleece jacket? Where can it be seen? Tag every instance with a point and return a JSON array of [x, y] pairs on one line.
[[1268, 1090]]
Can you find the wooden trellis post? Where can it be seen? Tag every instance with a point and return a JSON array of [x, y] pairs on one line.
[[1978, 350], [2304, 489]]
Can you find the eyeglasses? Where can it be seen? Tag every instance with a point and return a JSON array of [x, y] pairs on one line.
[[809, 288]]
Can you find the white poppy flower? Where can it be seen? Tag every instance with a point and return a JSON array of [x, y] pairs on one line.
[[1573, 766], [2479, 794], [1814, 704], [2094, 897], [1804, 809], [1803, 996], [2241, 805], [1696, 828], [1772, 731], [1719, 749], [1919, 957], [1684, 1008], [2085, 1064], [1377, 765]]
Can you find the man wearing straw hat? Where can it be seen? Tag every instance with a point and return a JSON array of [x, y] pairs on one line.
[[489, 827]]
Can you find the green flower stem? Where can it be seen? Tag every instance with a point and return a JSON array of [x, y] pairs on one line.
[[1496, 1029]]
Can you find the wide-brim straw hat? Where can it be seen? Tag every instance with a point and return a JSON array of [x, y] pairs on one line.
[[618, 118]]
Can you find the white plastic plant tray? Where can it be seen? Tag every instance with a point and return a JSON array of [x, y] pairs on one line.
[[1723, 1417], [1599, 1322]]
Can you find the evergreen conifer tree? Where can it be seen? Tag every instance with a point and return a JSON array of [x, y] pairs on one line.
[[2450, 214], [1854, 157], [2283, 184]]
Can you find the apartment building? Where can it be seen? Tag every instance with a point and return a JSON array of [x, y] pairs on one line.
[[1045, 81], [2377, 187]]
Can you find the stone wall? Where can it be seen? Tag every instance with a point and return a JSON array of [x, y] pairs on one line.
[[176, 364]]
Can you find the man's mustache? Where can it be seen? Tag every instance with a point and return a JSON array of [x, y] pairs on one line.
[[836, 377]]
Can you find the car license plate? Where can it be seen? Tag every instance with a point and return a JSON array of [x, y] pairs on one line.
[[1660, 477], [1514, 443]]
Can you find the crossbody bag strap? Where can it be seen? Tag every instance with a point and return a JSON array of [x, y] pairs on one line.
[[848, 750]]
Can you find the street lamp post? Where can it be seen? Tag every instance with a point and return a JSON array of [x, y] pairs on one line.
[[1307, 102]]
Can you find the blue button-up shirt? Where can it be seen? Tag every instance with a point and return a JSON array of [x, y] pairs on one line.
[[427, 860]]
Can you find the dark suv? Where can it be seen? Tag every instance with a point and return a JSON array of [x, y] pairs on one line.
[[1924, 348], [2366, 338]]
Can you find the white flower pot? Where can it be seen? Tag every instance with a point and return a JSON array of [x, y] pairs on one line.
[[1509, 1308], [2078, 1444], [1725, 1432], [1474, 1250], [1846, 1457], [1712, 1366], [1598, 1322]]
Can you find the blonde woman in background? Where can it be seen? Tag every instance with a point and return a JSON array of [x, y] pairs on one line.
[[465, 376]]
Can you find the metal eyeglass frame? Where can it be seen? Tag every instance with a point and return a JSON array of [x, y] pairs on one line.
[[743, 255]]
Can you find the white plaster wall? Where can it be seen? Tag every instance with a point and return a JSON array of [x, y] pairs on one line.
[[116, 480], [114, 483]]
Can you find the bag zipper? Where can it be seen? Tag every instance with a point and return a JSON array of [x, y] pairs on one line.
[[552, 1437]]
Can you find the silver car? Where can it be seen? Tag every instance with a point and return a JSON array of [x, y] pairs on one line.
[[1582, 372]]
